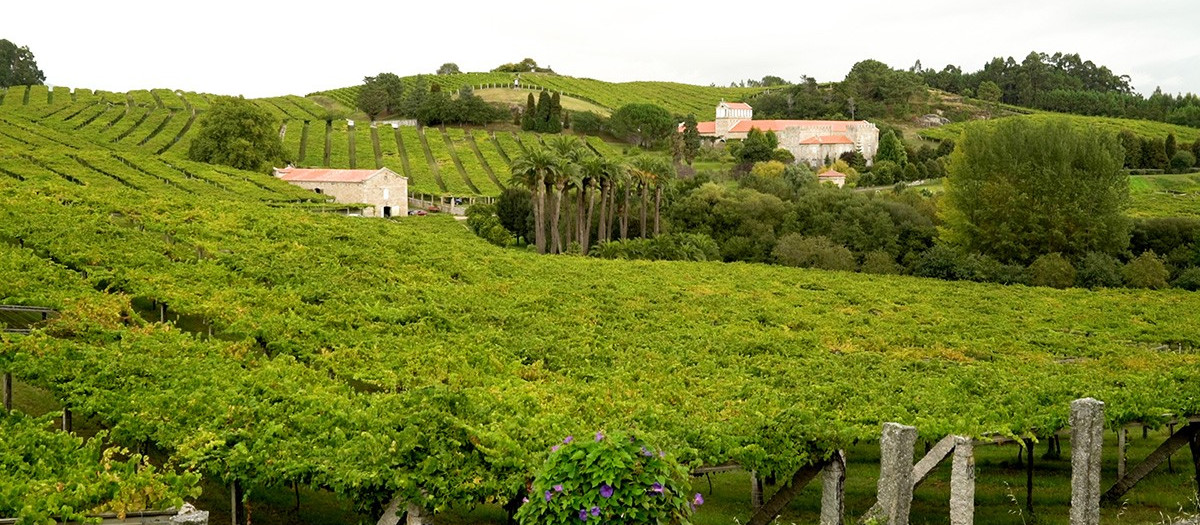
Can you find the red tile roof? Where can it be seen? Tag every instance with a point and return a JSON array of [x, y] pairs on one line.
[[325, 175], [703, 128], [828, 139], [831, 175], [738, 105], [779, 125]]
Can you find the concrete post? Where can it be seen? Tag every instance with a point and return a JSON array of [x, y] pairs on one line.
[[895, 472], [237, 507], [1087, 442], [833, 490], [1122, 443], [391, 515], [417, 516], [756, 492], [962, 482], [66, 419], [7, 392]]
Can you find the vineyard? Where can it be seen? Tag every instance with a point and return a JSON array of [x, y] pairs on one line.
[[679, 99], [160, 122], [1143, 128], [212, 314]]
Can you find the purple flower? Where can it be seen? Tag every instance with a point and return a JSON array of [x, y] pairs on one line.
[[568, 439], [554, 448], [656, 488], [549, 495], [558, 488], [662, 454], [599, 436], [697, 499], [646, 452], [582, 514], [595, 511], [606, 491], [524, 500]]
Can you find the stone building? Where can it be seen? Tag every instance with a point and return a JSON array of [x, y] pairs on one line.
[[810, 141], [384, 191]]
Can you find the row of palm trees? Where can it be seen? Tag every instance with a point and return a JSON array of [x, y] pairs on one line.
[[564, 165]]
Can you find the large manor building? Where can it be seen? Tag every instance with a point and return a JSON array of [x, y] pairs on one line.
[[811, 141]]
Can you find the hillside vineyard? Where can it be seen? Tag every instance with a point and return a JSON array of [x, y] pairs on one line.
[[210, 312]]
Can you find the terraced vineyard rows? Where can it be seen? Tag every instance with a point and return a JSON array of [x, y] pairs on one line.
[[161, 121], [677, 98]]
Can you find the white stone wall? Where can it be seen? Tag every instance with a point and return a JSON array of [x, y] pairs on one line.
[[384, 189]]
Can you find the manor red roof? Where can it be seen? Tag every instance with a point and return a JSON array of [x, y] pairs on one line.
[[738, 105], [324, 175], [831, 174], [834, 126]]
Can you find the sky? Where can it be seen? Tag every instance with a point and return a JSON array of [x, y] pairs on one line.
[[268, 48]]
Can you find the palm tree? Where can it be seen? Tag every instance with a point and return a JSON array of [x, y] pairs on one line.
[[574, 153], [532, 168], [651, 171], [597, 172]]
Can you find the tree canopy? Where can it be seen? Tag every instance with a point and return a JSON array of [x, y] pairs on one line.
[[1019, 189], [17, 66], [449, 68], [642, 124], [237, 133], [380, 94]]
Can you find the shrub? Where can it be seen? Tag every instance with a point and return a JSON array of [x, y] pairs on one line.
[[1146, 271], [669, 247], [587, 122], [1182, 161], [783, 155], [1099, 270], [940, 262], [795, 249], [984, 269], [1188, 279], [770, 169], [482, 220], [608, 479], [880, 262], [1052, 270]]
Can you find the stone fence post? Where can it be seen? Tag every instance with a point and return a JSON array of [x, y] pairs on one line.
[[1087, 441]]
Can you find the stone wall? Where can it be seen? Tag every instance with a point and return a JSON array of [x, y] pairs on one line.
[[383, 190]]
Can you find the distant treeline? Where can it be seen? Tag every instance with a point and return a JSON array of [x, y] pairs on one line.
[[1065, 83]]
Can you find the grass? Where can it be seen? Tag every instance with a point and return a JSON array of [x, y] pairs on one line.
[[1143, 128]]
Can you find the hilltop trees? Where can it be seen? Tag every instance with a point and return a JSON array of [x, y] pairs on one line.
[[449, 68], [543, 116], [17, 66], [381, 94], [237, 133], [527, 65], [1019, 189]]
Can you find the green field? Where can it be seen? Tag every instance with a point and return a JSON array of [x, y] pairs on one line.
[[1165, 195]]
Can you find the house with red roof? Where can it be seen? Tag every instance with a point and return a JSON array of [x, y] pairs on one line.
[[810, 141], [384, 191]]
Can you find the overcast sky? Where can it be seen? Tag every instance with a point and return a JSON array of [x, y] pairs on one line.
[[273, 48]]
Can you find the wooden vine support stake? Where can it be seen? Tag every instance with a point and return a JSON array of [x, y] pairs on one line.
[[66, 418], [237, 505], [767, 512]]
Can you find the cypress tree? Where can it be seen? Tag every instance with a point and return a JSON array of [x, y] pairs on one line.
[[554, 119], [527, 118], [542, 119], [890, 148], [1171, 145]]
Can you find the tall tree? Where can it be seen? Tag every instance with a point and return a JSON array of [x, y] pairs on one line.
[[890, 148], [1170, 145], [236, 132], [691, 139], [17, 66], [529, 117], [532, 169], [1019, 189], [641, 124], [554, 116], [544, 107], [449, 68]]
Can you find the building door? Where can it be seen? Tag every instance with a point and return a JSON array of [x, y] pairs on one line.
[[387, 211]]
